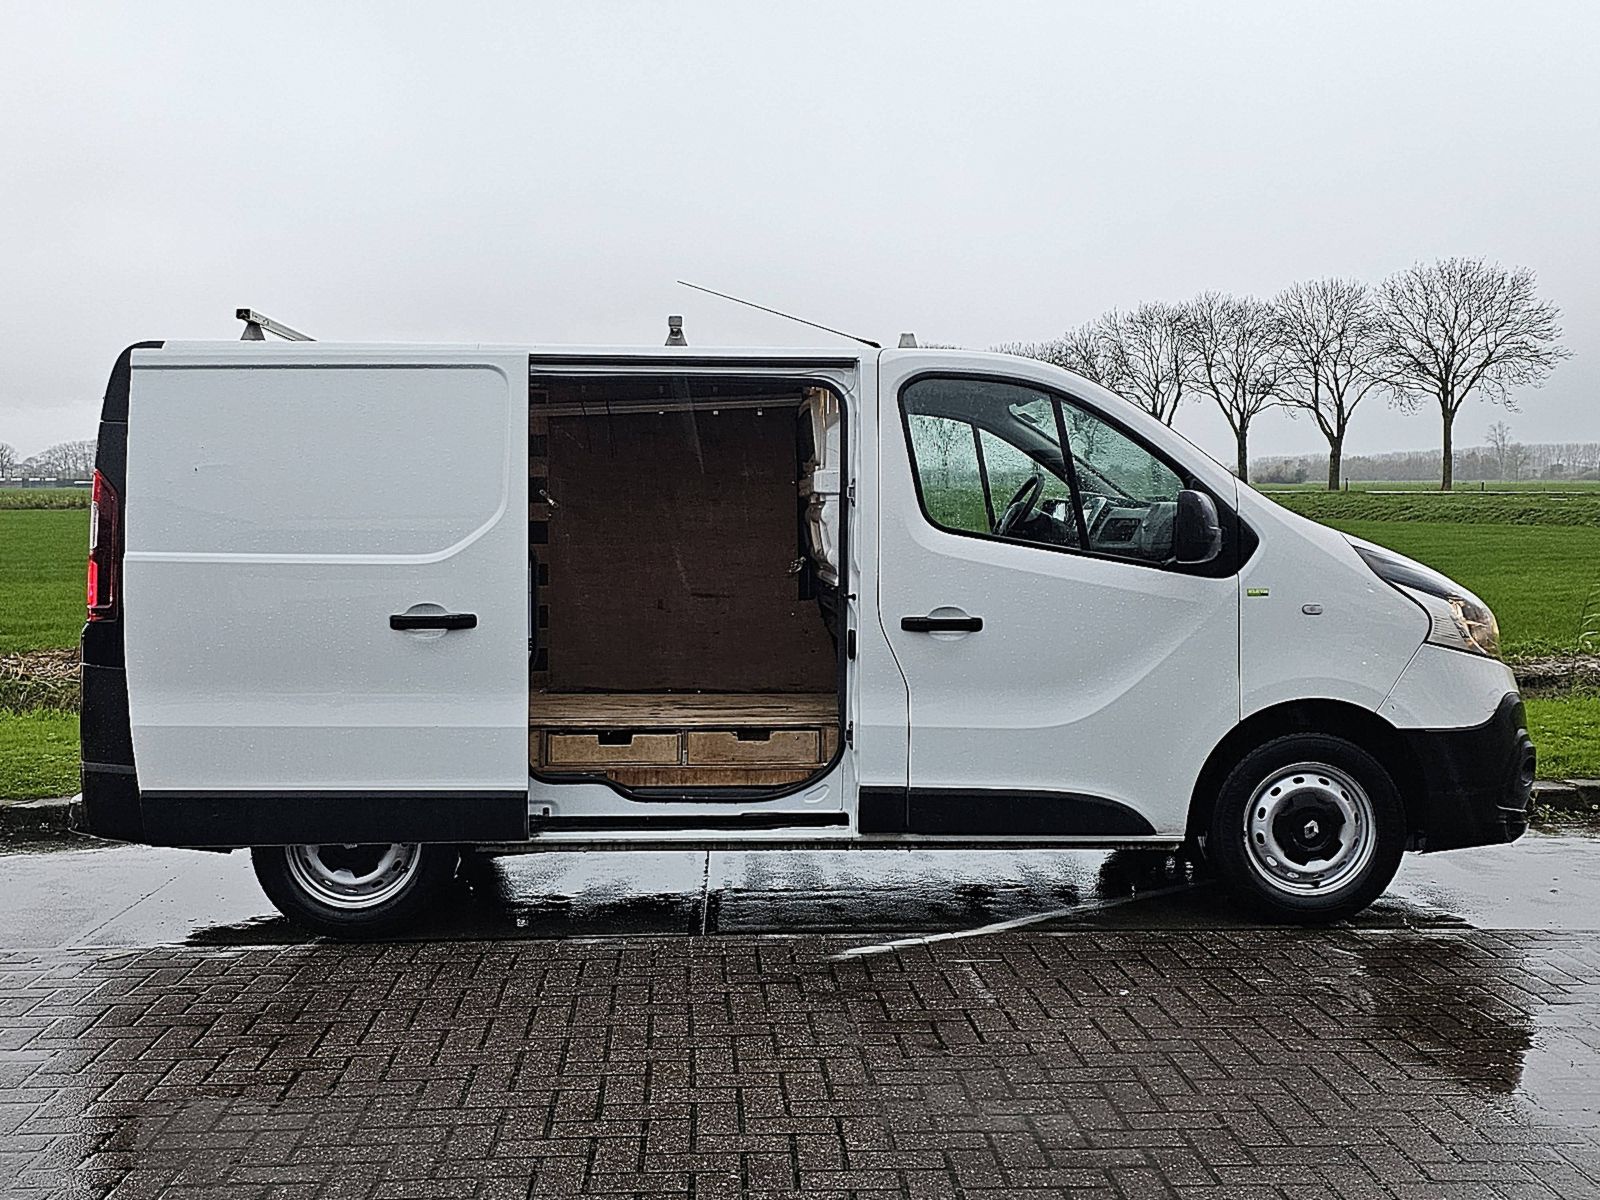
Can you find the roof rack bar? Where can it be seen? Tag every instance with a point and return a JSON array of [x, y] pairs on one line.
[[258, 325]]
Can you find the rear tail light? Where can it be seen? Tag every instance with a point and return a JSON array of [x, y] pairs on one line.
[[105, 533]]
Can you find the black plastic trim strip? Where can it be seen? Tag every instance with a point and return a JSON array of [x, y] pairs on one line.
[[279, 818], [997, 812]]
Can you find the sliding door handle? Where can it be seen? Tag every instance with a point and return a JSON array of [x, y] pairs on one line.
[[941, 624], [431, 620]]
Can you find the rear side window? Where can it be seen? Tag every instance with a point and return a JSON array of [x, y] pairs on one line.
[[316, 460]]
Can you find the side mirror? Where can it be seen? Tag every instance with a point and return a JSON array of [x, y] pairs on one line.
[[1196, 529]]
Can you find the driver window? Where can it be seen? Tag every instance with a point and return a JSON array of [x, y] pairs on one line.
[[988, 460], [985, 464]]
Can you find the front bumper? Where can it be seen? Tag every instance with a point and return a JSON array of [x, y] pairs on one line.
[[1473, 787]]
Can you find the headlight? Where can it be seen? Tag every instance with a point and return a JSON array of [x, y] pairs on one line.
[[1457, 619]]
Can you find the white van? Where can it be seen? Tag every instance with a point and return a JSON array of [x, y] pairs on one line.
[[363, 608]]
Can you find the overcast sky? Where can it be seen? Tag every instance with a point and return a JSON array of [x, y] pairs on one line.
[[975, 172]]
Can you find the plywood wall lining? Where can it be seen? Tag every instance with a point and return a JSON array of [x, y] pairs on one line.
[[670, 542]]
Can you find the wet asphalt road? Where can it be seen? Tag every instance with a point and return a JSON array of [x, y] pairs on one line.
[[850, 1024], [78, 894]]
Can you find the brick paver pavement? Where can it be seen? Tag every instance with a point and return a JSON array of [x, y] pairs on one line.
[[1277, 1063]]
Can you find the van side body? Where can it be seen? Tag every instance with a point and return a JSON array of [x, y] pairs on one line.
[[326, 564]]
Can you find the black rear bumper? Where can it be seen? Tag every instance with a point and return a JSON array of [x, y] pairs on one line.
[[1474, 787]]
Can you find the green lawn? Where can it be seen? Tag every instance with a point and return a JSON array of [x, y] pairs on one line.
[[42, 553], [1566, 729], [44, 497], [1475, 487], [38, 754], [1487, 508]]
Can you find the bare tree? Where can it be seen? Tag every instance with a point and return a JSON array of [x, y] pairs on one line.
[[1464, 325], [1499, 439], [8, 459], [1518, 459], [65, 460], [1233, 349], [1084, 350], [1331, 356], [1149, 356]]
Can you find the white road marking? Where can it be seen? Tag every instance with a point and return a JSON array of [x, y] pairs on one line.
[[1003, 926]]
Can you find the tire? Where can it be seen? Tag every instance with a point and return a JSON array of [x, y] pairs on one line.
[[1307, 828], [364, 891]]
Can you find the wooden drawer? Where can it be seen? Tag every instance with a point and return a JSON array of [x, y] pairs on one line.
[[603, 749], [710, 777], [716, 747]]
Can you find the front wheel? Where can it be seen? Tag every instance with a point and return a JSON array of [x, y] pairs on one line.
[[1307, 828], [353, 891]]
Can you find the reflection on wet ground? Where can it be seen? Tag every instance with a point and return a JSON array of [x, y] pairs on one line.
[[141, 896], [853, 1023]]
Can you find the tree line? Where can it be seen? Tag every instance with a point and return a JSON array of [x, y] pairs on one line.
[[64, 460], [1499, 459], [1428, 337]]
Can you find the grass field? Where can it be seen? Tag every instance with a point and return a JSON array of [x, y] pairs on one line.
[[38, 754], [1461, 488], [44, 498], [1566, 729], [1487, 508], [42, 554]]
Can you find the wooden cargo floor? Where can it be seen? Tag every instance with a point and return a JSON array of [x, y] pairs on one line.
[[684, 740], [600, 710]]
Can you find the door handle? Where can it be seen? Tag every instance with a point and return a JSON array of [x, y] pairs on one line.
[[427, 620], [941, 624]]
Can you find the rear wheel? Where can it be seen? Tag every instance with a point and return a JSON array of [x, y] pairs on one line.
[[350, 890], [1307, 828]]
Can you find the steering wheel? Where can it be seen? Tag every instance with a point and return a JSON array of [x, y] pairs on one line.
[[1021, 505]]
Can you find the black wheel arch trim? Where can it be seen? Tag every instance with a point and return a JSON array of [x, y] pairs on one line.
[[1461, 787]]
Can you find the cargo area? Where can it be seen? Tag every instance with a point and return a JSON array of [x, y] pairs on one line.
[[683, 546]]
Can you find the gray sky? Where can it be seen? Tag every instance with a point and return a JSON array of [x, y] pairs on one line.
[[974, 172]]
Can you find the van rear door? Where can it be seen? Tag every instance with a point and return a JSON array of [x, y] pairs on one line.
[[325, 593]]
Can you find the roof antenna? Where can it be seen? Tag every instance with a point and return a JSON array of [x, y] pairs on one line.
[[257, 326], [784, 315]]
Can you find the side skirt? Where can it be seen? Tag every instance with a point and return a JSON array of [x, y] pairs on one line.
[[997, 812], [273, 818]]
